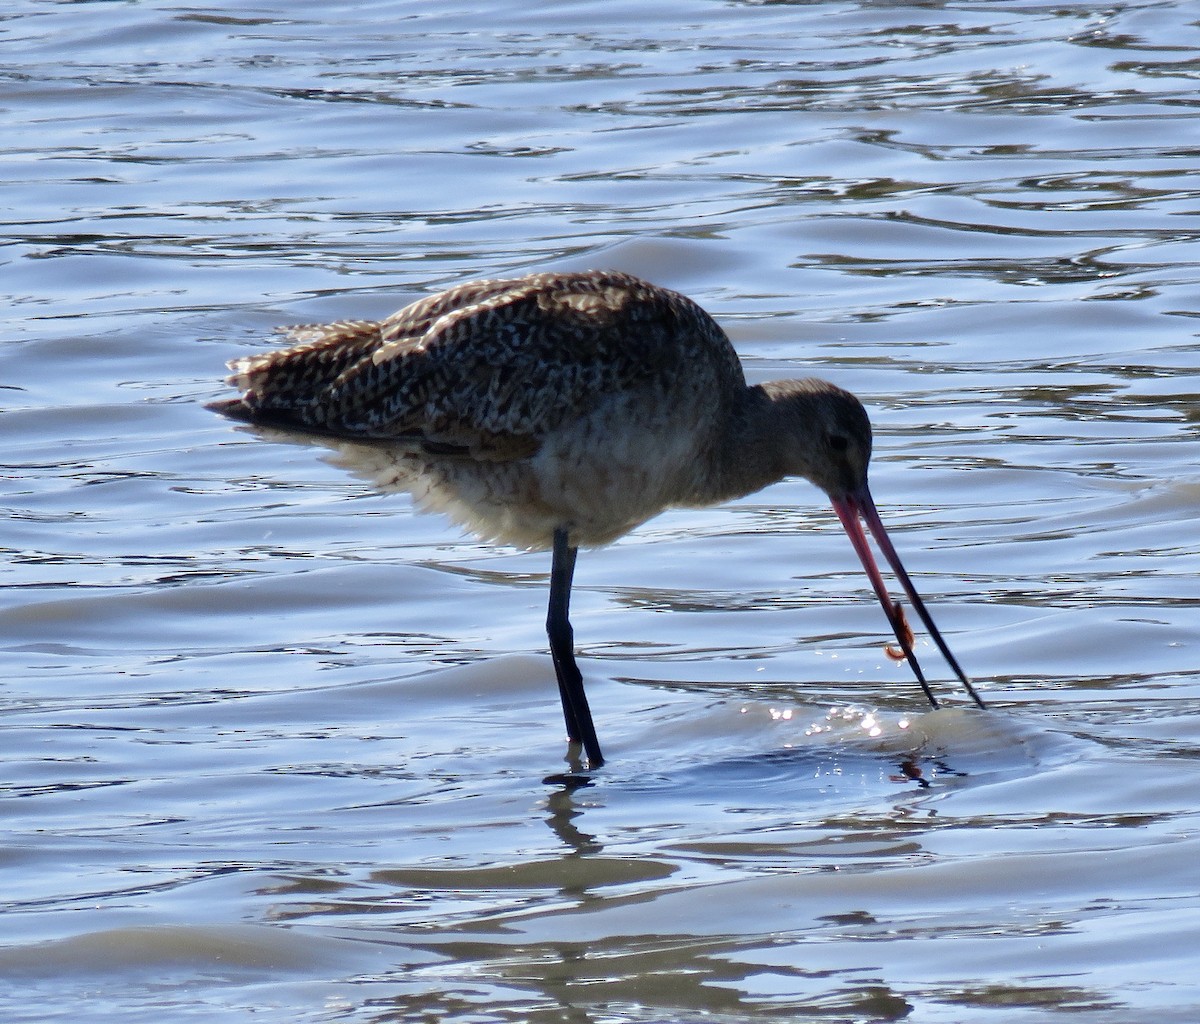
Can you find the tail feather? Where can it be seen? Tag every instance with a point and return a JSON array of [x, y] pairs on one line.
[[234, 408], [248, 411]]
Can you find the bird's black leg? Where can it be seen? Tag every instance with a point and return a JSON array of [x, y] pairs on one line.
[[576, 712]]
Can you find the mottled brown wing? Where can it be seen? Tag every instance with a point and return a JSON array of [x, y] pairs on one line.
[[489, 367], [298, 386], [493, 367]]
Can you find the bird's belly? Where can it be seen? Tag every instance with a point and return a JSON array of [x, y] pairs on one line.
[[603, 480], [599, 477]]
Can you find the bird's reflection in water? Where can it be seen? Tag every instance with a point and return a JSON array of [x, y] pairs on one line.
[[564, 809]]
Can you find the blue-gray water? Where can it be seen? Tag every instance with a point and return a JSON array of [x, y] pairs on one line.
[[274, 747]]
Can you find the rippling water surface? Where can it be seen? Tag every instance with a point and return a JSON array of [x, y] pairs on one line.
[[276, 746]]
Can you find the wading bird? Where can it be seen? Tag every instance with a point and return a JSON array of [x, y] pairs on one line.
[[561, 410]]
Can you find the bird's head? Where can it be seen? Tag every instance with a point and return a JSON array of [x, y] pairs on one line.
[[822, 433]]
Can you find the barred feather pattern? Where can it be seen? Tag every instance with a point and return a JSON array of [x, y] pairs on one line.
[[492, 366]]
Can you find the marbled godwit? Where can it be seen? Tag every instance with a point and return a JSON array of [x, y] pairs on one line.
[[564, 409]]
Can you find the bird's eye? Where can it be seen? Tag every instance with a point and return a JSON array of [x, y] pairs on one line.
[[839, 442]]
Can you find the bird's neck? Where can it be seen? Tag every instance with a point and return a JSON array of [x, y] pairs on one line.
[[746, 456]]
